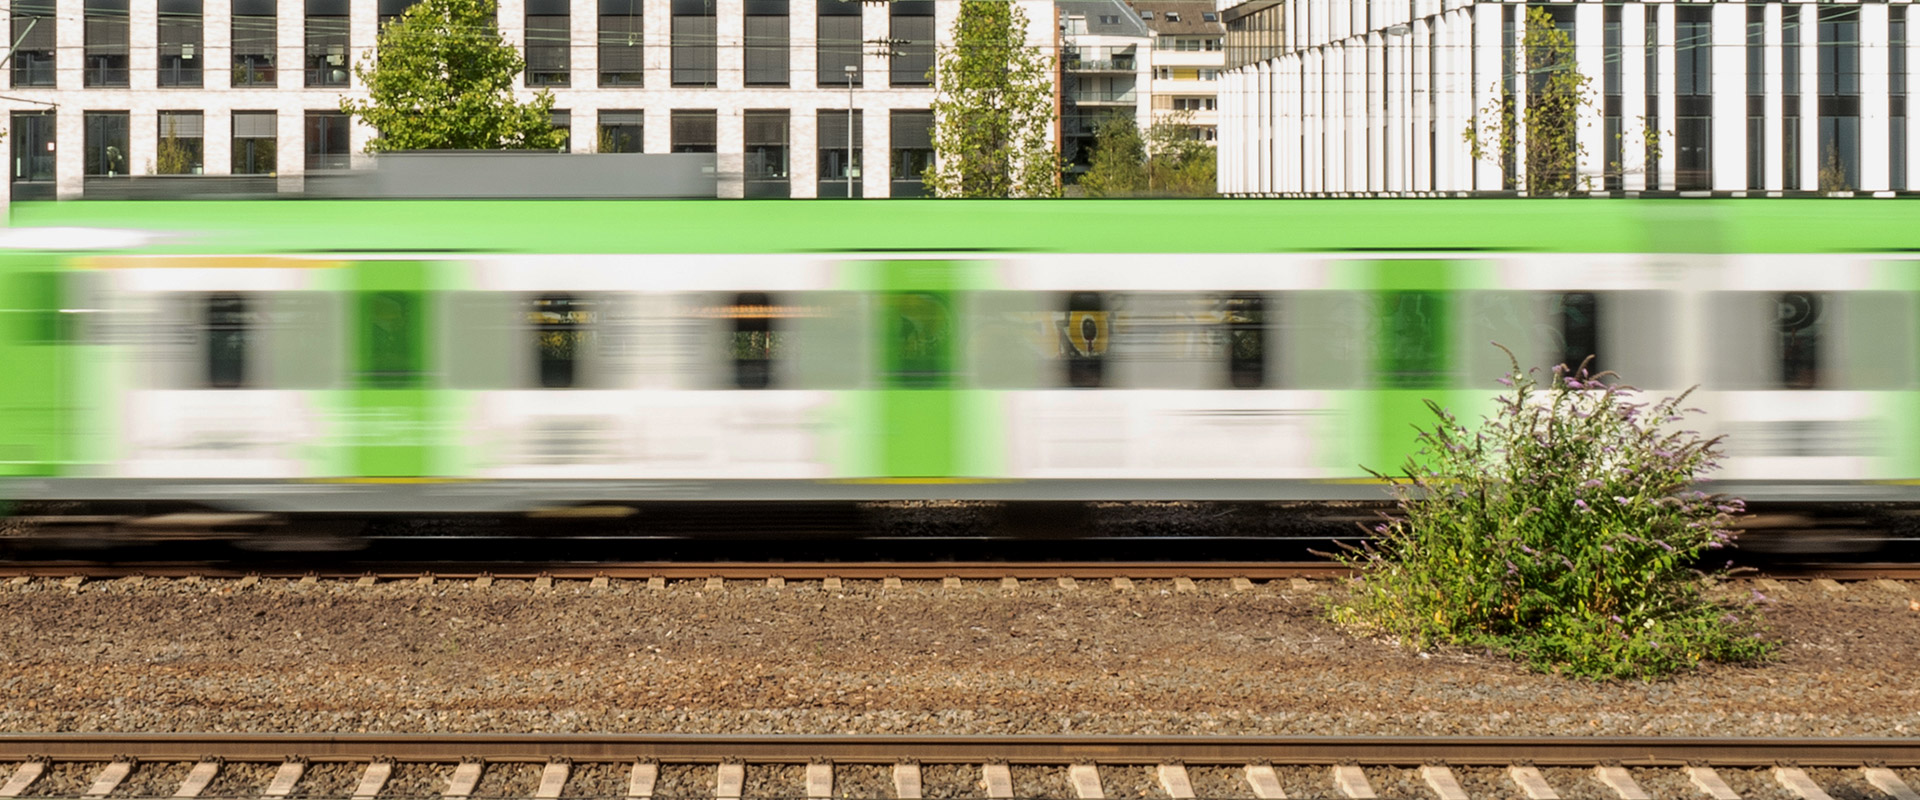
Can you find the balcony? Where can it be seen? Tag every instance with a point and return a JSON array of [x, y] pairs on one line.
[[1094, 97], [1121, 64]]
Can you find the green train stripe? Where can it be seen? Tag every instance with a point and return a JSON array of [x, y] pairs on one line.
[[36, 412]]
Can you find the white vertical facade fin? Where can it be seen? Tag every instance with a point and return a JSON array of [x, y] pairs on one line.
[[1729, 128], [1772, 64], [1875, 146], [1589, 53]]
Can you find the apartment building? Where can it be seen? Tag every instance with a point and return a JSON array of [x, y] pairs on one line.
[[1105, 60], [778, 90], [1188, 59], [1761, 98]]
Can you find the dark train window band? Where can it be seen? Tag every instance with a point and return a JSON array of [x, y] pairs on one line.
[[1800, 322], [1086, 333], [752, 345], [1578, 318], [561, 327], [228, 329], [1246, 322]]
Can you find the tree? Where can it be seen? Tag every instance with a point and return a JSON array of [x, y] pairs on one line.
[[1179, 164], [993, 109], [1119, 159], [442, 79]]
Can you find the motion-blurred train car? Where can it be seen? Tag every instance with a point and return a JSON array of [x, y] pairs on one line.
[[337, 357]]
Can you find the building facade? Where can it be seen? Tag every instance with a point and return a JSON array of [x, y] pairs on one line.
[[1188, 59], [99, 90], [1106, 56], [1374, 96]]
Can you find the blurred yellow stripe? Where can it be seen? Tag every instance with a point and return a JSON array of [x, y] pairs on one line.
[[205, 262]]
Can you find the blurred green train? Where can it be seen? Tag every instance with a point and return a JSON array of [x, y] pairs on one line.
[[525, 356]]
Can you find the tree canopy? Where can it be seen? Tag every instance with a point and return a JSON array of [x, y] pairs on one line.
[[1167, 162], [994, 109], [442, 79]]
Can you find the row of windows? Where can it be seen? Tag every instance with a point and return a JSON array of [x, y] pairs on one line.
[[1189, 74], [1077, 336], [549, 45]]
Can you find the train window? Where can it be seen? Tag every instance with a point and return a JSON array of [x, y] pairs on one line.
[[229, 325], [1086, 331], [391, 352], [1412, 342], [1246, 322], [1799, 322], [920, 346], [1577, 317], [562, 331], [755, 343]]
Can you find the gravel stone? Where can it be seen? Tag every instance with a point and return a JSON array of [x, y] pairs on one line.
[[864, 781], [1577, 783], [1489, 783], [1219, 783], [1390, 783], [508, 780], [62, 779], [1125, 782], [153, 779], [775, 782], [331, 779], [1845, 784], [241, 779], [1756, 784], [418, 780], [1308, 783], [1036, 781], [598, 781], [1667, 782], [951, 781], [165, 655], [685, 781]]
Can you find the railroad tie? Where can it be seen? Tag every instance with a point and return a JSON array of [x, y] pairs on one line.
[[1796, 780], [656, 583], [831, 584], [1532, 783], [1086, 782], [1010, 583], [284, 778], [23, 776], [1122, 583], [110, 778], [1266, 784], [1621, 781], [1067, 582], [950, 582], [465, 777], [200, 777], [1241, 584], [906, 780], [1888, 781], [730, 780], [1174, 780], [373, 779], [640, 782], [553, 778], [1443, 782], [1711, 783], [1184, 584], [820, 780], [1353, 782], [998, 780]]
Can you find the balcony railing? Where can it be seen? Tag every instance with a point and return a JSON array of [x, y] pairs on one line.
[[1076, 64], [1093, 97]]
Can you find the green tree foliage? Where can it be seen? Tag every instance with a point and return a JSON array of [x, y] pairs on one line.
[[993, 110], [1563, 531], [442, 79], [1167, 162], [173, 157], [1119, 159]]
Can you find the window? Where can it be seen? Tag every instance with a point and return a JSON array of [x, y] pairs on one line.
[[1897, 97], [1173, 16], [767, 55], [106, 143], [1163, 73], [390, 10], [620, 131], [767, 149], [839, 174], [912, 52], [1211, 45], [229, 324], [918, 348], [912, 152], [562, 328], [1790, 87], [1612, 155], [255, 140], [181, 144], [695, 48], [1185, 44], [1109, 19], [562, 119], [839, 42], [1209, 16], [327, 140], [106, 42], [32, 138], [1085, 331], [34, 24], [1839, 109], [1195, 104], [1577, 315], [620, 43], [1209, 74], [1412, 335], [181, 55], [255, 43], [1246, 322], [1146, 15], [327, 43], [1799, 325], [549, 43], [1693, 79], [693, 131], [755, 344]]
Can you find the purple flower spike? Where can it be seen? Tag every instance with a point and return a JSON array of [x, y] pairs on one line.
[[1582, 505]]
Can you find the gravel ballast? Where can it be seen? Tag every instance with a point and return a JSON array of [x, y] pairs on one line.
[[155, 655]]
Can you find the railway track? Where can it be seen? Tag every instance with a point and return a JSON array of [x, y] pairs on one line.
[[647, 766], [781, 571]]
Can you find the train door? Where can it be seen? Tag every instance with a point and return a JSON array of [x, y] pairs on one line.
[[924, 420], [35, 406], [390, 404]]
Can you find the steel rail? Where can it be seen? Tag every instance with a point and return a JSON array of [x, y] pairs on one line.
[[814, 570], [695, 748]]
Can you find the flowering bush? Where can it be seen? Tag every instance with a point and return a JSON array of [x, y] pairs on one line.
[[1563, 531]]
